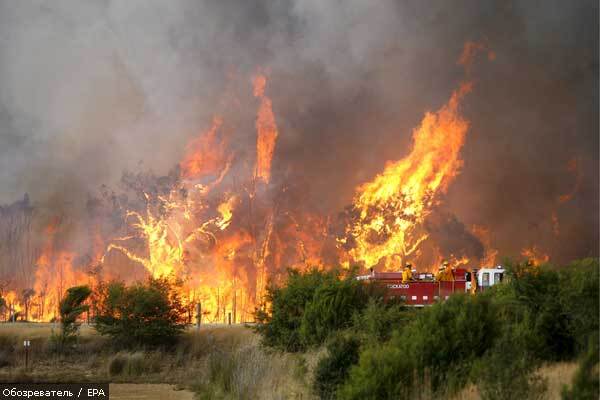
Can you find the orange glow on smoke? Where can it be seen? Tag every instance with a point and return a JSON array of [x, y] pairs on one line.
[[206, 154]]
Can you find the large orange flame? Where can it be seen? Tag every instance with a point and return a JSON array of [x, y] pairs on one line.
[[393, 204], [266, 130]]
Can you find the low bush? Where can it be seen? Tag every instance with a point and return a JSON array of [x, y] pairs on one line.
[[507, 370], [134, 364], [332, 370], [435, 351], [331, 308], [117, 364], [280, 328], [143, 315], [377, 321], [586, 383]]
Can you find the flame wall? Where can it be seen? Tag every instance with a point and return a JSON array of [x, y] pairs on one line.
[[145, 128]]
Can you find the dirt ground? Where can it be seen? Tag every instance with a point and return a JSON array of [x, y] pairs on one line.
[[132, 391]]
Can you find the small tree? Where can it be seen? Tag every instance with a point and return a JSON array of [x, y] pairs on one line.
[[148, 314], [2, 306], [280, 328], [331, 309], [71, 307], [332, 370], [27, 294]]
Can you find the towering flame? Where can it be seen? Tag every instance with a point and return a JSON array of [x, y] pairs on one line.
[[266, 130], [393, 205]]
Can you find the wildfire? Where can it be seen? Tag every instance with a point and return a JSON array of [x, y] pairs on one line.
[[490, 253], [266, 130], [206, 154], [221, 237], [535, 256], [393, 205]]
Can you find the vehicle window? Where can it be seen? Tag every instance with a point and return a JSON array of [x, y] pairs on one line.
[[497, 277], [485, 279]]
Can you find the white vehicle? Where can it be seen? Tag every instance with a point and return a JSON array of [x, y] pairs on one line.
[[488, 277]]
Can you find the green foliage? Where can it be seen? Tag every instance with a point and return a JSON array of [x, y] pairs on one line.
[[579, 294], [435, 351], [281, 327], [331, 309], [135, 364], [148, 314], [117, 364], [507, 370], [586, 384], [496, 339], [71, 307], [535, 296], [377, 321], [332, 370]]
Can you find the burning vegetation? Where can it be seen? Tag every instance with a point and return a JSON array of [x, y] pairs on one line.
[[220, 228]]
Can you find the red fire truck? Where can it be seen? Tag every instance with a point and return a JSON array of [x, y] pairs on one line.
[[423, 289]]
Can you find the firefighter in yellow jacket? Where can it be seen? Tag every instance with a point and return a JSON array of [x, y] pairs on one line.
[[444, 273], [407, 273]]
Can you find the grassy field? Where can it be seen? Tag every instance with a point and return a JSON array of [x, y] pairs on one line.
[[216, 362]]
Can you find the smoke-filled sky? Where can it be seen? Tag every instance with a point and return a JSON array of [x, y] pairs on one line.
[[92, 88]]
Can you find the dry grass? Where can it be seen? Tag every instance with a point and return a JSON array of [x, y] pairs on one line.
[[130, 391], [556, 375], [218, 361], [28, 330]]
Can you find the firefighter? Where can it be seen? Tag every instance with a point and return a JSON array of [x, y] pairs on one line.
[[407, 273], [443, 272], [473, 282]]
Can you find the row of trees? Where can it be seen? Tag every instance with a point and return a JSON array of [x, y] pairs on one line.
[[496, 340]]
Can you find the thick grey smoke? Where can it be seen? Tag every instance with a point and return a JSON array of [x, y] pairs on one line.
[[92, 88]]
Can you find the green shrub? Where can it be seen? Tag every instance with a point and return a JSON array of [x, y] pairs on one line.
[[579, 293], [507, 370], [71, 307], [7, 351], [221, 369], [332, 370], [377, 321], [141, 315], [586, 384], [134, 364], [281, 327], [331, 309], [434, 352], [117, 364]]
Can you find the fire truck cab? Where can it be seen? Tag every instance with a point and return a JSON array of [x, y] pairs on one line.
[[488, 277]]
